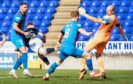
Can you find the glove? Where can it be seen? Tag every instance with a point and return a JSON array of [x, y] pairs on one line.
[[82, 11]]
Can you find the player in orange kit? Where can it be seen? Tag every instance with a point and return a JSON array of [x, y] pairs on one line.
[[102, 35]]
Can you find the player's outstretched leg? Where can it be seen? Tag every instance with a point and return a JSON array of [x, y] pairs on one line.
[[89, 64], [52, 69], [82, 70]]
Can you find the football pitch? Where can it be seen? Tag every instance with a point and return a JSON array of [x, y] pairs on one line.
[[67, 77]]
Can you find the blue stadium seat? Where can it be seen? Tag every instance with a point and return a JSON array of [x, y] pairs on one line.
[[5, 5], [53, 3], [38, 18], [47, 17], [43, 4], [83, 37], [31, 11], [115, 31], [14, 5], [130, 11], [34, 4], [45, 23], [8, 18], [8, 37], [36, 23], [50, 10], [126, 30], [121, 11], [124, 4], [12, 11], [104, 4], [43, 29], [131, 37], [40, 10], [114, 37], [1, 17], [84, 4], [115, 3]]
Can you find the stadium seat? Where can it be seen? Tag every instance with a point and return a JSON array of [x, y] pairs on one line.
[[38, 18], [53, 3], [131, 37], [115, 31], [50, 10], [126, 30], [43, 29], [34, 4], [12, 11], [8, 18], [45, 23], [114, 37], [47, 17]]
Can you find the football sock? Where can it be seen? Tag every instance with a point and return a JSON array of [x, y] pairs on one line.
[[89, 65], [24, 60], [50, 50], [52, 68]]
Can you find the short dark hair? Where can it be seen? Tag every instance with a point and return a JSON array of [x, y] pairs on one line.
[[74, 13], [30, 23], [23, 3]]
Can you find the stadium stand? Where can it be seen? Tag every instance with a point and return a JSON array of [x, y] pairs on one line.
[[123, 10], [42, 12]]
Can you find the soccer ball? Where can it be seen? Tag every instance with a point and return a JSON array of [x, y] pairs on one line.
[[106, 19]]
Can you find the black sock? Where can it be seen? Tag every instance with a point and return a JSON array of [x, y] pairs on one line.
[[50, 50]]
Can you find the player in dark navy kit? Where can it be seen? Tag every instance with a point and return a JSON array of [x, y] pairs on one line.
[[34, 33]]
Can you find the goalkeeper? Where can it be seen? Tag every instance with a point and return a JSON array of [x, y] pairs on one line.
[[102, 35]]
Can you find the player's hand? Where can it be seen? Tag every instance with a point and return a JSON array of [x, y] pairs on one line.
[[1, 44], [89, 33], [57, 46], [82, 11], [126, 38], [26, 33]]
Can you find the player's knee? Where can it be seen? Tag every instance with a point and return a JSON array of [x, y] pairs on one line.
[[42, 51], [98, 55], [60, 62], [86, 55]]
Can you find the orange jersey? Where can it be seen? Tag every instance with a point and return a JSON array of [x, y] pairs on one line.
[[103, 32]]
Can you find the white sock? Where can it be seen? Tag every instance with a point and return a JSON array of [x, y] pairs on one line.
[[13, 70], [92, 72], [26, 70], [47, 75]]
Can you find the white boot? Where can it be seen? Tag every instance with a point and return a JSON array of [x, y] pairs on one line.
[[13, 73]]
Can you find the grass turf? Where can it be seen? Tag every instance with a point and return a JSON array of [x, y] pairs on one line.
[[67, 77]]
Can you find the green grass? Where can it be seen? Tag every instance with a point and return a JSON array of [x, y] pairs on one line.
[[67, 77]]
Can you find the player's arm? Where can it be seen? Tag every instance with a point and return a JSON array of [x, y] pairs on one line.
[[84, 32], [15, 26], [60, 36], [98, 20], [121, 31], [3, 40]]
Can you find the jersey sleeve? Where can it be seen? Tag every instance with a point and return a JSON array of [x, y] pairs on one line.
[[17, 18], [63, 30], [79, 26]]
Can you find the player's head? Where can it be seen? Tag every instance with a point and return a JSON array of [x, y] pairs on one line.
[[110, 10], [23, 7], [30, 25], [75, 15]]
